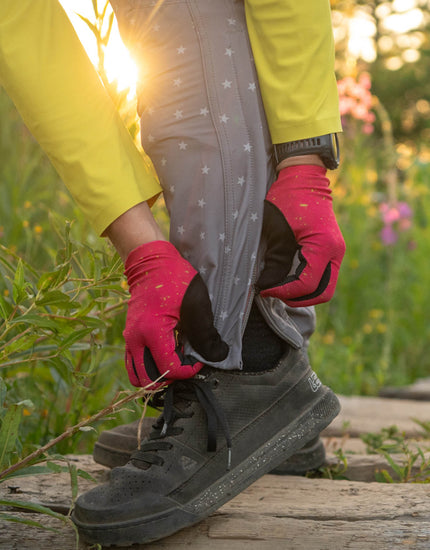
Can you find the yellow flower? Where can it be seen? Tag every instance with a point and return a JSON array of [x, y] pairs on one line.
[[328, 338], [376, 313], [381, 328], [25, 223], [353, 264], [367, 328], [38, 229], [124, 284], [27, 204], [5, 292]]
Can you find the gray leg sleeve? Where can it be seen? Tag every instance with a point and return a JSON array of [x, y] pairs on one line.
[[204, 127]]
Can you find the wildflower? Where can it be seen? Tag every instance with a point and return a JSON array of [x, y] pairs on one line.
[[355, 99], [376, 313], [396, 219], [38, 229], [25, 223]]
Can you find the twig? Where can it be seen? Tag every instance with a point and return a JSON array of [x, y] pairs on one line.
[[143, 392]]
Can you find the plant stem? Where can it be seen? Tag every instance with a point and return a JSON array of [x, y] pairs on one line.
[[143, 392]]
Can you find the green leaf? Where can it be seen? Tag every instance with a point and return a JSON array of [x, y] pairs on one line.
[[91, 26], [56, 298], [18, 289], [5, 308], [53, 279], [3, 392], [9, 432], [37, 320], [33, 507], [73, 481], [76, 336], [32, 523]]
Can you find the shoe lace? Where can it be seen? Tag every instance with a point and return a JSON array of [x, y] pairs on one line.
[[176, 394]]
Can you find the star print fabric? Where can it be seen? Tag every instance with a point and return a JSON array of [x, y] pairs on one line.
[[204, 128]]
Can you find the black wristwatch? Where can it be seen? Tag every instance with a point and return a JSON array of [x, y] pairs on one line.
[[327, 147]]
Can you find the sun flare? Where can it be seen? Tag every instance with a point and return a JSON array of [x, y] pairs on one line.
[[118, 64]]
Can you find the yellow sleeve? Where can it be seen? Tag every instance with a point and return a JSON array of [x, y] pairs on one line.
[[47, 74], [293, 47]]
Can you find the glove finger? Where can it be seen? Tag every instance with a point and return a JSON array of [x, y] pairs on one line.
[[281, 247], [131, 369], [197, 322], [165, 353], [312, 281]]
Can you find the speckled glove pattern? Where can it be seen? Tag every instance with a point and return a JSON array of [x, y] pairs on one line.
[[169, 305], [304, 244]]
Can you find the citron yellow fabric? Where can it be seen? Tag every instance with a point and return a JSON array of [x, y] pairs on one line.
[[293, 47], [46, 72]]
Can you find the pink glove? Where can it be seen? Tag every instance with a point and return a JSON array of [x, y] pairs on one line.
[[304, 244], [169, 304]]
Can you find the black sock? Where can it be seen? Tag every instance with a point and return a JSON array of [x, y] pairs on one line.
[[261, 347]]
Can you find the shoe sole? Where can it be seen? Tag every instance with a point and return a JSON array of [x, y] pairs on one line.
[[287, 442]]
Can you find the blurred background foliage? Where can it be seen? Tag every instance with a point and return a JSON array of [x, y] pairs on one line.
[[62, 293]]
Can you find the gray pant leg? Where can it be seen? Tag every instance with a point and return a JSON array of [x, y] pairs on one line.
[[204, 127]]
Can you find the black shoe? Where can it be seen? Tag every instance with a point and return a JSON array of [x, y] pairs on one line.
[[219, 432], [114, 448]]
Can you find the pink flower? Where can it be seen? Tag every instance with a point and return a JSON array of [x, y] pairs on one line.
[[388, 235], [405, 211]]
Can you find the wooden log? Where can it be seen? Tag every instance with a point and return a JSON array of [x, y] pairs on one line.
[[283, 513], [370, 414], [419, 390]]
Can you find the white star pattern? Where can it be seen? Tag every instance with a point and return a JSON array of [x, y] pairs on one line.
[[229, 52], [252, 87], [235, 214], [223, 315], [203, 269], [226, 84], [151, 138], [236, 280], [172, 189], [205, 169], [182, 145], [163, 161], [201, 203], [202, 236], [231, 21], [177, 82], [150, 110], [247, 147], [227, 249], [181, 49], [240, 181], [224, 118], [181, 230], [179, 114], [254, 217], [253, 256], [221, 237], [204, 111]]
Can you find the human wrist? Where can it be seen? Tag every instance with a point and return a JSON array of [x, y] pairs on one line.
[[133, 228], [300, 160]]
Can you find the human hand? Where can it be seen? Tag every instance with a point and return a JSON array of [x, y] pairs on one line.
[[169, 303], [304, 244]]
